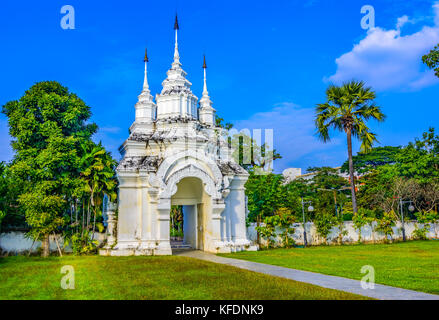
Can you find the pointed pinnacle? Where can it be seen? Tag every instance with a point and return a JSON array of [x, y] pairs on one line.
[[204, 62], [176, 27], [146, 57]]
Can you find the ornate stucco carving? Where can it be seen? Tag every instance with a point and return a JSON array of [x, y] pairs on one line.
[[170, 184]]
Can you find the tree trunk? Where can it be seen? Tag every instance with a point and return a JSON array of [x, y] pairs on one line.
[[45, 245], [351, 171], [258, 236], [83, 215], [94, 225]]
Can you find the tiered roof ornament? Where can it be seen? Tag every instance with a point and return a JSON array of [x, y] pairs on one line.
[[176, 100], [206, 112], [145, 107]]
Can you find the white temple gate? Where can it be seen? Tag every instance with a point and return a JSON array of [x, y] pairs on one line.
[[175, 155]]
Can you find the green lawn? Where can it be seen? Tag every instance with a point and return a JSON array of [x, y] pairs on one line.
[[411, 265], [167, 277]]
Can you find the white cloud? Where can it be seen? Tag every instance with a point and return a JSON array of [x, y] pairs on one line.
[[385, 59], [402, 21], [293, 130]]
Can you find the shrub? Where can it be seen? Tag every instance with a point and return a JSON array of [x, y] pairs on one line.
[[385, 224], [324, 222], [361, 219]]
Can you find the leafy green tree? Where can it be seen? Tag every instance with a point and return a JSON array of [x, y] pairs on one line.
[[328, 190], [251, 156], [432, 60], [428, 219], [348, 108], [361, 219], [10, 188], [364, 162], [48, 125], [423, 224], [2, 216], [219, 122], [294, 191], [267, 230], [99, 179], [326, 178], [265, 193], [385, 224], [420, 159], [283, 220], [324, 221]]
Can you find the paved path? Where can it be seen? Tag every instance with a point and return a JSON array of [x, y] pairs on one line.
[[332, 282]]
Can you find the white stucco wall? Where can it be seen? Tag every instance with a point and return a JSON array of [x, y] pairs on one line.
[[17, 242], [367, 235]]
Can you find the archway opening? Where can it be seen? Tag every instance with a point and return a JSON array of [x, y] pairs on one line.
[[190, 226]]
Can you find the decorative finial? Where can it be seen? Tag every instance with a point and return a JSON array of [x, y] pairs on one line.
[[205, 93], [146, 57], [176, 27], [145, 80]]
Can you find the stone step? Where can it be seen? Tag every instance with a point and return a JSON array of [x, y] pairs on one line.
[[180, 245]]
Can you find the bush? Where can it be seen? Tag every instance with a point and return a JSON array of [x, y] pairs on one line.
[[361, 219], [420, 233], [324, 222], [282, 220], [385, 224]]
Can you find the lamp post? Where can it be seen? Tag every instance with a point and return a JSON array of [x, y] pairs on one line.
[[411, 209], [310, 209]]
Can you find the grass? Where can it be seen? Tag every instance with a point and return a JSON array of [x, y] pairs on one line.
[[410, 265], [167, 277]]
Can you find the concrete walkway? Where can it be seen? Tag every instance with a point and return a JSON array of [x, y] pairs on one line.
[[332, 282]]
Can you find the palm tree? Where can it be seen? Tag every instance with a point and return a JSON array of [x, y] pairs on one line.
[[348, 107], [99, 179]]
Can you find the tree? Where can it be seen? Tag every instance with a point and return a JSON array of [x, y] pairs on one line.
[[416, 165], [324, 221], [347, 109], [48, 125], [385, 224], [266, 195], [432, 60], [250, 155], [360, 220], [13, 215], [420, 159], [219, 122], [99, 179], [364, 162]]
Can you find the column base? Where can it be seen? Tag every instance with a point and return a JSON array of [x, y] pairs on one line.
[[233, 246], [137, 249]]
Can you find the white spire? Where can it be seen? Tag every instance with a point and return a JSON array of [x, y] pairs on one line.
[[205, 92], [176, 99], [176, 62], [206, 112], [146, 94], [145, 80], [145, 106]]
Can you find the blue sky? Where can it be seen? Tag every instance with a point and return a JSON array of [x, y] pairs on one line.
[[269, 63]]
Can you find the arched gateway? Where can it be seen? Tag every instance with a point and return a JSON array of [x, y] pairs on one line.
[[175, 156]]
